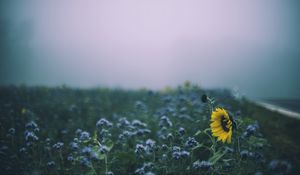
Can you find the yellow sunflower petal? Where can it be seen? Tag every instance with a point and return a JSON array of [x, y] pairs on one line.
[[218, 132], [214, 117], [215, 124], [215, 129], [218, 117], [219, 138], [225, 138]]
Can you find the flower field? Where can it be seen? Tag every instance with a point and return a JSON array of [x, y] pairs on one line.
[[185, 130]]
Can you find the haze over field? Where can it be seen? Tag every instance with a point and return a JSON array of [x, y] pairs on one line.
[[253, 46]]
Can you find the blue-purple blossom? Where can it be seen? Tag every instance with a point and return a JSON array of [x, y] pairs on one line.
[[103, 123], [84, 136], [58, 145]]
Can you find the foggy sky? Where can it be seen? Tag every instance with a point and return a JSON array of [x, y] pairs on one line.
[[253, 46]]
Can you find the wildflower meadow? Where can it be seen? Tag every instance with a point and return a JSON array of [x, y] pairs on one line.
[[102, 131]]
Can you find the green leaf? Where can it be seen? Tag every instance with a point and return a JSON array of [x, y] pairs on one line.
[[101, 156], [198, 132], [95, 137], [207, 129], [198, 146], [227, 160], [95, 149], [109, 144], [217, 156]]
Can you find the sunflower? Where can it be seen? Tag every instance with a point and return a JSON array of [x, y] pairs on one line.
[[221, 125]]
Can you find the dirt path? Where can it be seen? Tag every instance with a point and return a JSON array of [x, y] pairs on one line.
[[281, 127], [279, 109]]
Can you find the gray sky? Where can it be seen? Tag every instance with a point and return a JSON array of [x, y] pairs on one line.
[[253, 46]]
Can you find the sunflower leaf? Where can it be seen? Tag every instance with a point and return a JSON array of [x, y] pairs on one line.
[[198, 146], [198, 132], [217, 156]]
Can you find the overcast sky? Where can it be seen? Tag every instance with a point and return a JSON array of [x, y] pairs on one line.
[[250, 45]]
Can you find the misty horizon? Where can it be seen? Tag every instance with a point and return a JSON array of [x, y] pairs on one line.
[[251, 46]]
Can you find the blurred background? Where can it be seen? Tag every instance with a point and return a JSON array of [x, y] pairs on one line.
[[251, 47]]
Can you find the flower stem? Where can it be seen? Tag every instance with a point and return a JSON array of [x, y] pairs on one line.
[[105, 164]]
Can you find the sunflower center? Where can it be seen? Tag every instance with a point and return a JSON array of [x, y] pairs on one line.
[[224, 122]]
